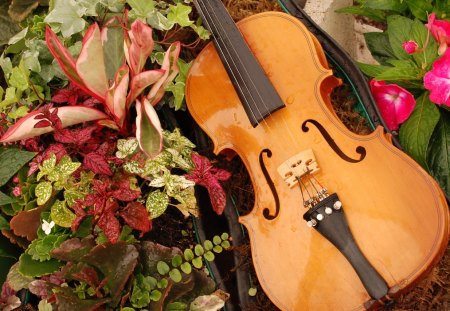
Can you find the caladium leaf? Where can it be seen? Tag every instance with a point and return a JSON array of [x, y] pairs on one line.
[[170, 65], [148, 129], [116, 99], [25, 127], [90, 64]]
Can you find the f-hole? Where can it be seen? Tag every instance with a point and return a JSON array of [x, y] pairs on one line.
[[360, 149], [266, 212]]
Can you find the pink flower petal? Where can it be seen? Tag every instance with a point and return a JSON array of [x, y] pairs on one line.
[[440, 29], [410, 47], [394, 102], [437, 80]]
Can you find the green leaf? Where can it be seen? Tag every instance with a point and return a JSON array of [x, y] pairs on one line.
[[208, 245], [391, 5], [177, 89], [176, 306], [179, 14], [43, 192], [372, 70], [186, 267], [157, 202], [225, 244], [420, 34], [162, 267], [218, 249], [416, 132], [142, 9], [402, 70], [420, 8], [209, 256], [35, 268], [113, 49], [188, 255], [374, 14], [61, 215], [438, 158], [176, 261], [65, 168], [197, 262], [217, 240], [68, 14], [252, 291], [155, 295], [175, 275], [379, 46], [163, 283], [399, 29], [40, 249], [149, 131], [4, 199], [225, 236], [11, 160], [19, 77], [198, 249]]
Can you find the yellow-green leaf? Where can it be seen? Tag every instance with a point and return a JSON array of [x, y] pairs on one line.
[[43, 192], [61, 215]]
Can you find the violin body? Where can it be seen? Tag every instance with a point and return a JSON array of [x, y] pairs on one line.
[[396, 212]]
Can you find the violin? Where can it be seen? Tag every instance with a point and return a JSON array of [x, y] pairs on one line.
[[341, 221]]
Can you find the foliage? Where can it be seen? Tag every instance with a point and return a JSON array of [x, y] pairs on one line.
[[86, 167], [413, 59]]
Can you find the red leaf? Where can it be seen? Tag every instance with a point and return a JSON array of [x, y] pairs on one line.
[[97, 163], [42, 123], [122, 192], [87, 275], [110, 226], [136, 216], [217, 196], [77, 136]]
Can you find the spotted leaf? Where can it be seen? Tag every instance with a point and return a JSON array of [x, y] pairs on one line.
[[43, 192]]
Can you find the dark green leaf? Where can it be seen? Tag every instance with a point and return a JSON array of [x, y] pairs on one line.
[[379, 46], [372, 70], [420, 34], [399, 29], [391, 5], [438, 158], [116, 262], [35, 268], [113, 50], [376, 15], [4, 199], [416, 132], [4, 224], [11, 160], [420, 8]]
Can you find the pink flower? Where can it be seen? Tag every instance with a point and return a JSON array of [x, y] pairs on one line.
[[410, 46], [437, 80], [440, 29], [17, 191], [394, 102]]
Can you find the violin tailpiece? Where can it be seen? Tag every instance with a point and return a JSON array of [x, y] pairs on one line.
[[328, 218]]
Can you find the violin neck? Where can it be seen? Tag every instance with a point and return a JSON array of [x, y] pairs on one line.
[[256, 92]]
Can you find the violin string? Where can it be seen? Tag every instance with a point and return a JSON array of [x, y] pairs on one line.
[[223, 48]]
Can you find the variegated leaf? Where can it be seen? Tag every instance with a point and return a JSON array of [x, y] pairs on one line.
[[69, 116], [116, 98], [126, 147], [66, 167], [148, 129], [43, 192], [133, 167], [61, 215], [157, 202]]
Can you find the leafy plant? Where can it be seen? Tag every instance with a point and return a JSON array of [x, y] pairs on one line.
[[408, 83]]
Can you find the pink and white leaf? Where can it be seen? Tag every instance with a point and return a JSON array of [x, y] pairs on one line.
[[437, 80], [116, 99], [148, 129], [171, 70], [394, 102], [140, 46], [143, 80], [25, 127], [90, 64], [64, 58]]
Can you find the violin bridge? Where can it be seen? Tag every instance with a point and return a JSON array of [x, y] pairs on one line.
[[298, 166]]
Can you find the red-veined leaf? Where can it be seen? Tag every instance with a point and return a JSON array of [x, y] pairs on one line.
[[110, 226], [69, 116], [97, 163], [136, 216], [90, 64], [148, 129]]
